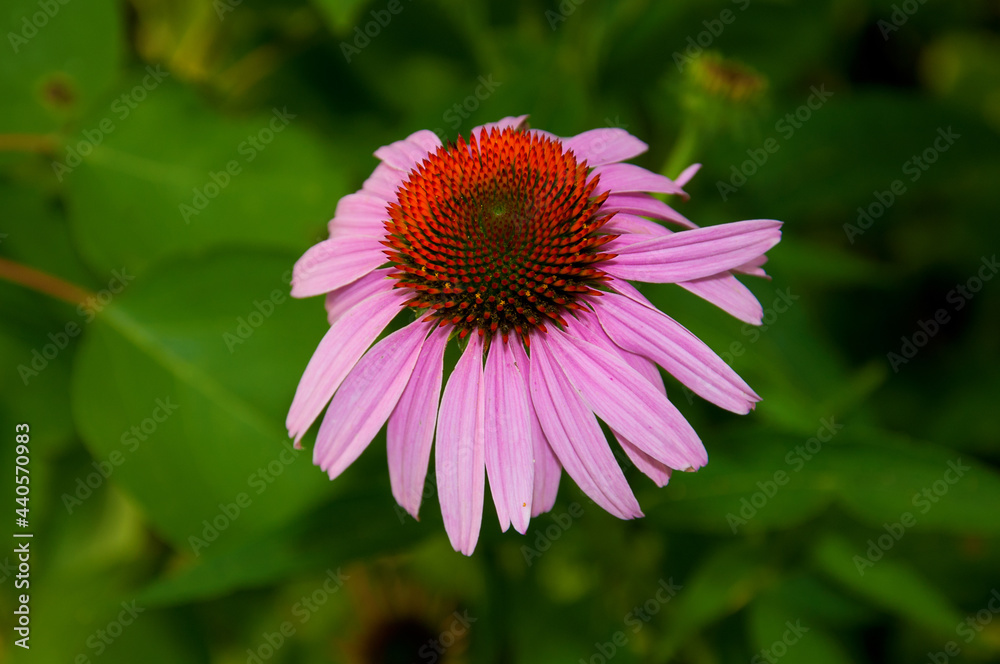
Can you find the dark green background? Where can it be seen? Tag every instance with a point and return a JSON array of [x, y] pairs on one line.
[[585, 65]]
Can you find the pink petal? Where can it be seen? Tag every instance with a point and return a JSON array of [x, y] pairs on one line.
[[687, 174], [360, 213], [647, 465], [508, 436], [629, 403], [334, 263], [639, 228], [575, 436], [726, 292], [754, 267], [340, 349], [604, 146], [723, 290], [694, 254], [646, 331], [512, 121], [343, 299], [367, 396], [406, 154], [588, 328], [644, 205], [629, 177], [459, 455], [547, 470], [425, 139], [384, 181], [411, 424]]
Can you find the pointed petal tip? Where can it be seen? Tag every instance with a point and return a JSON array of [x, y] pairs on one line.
[[687, 174], [521, 518]]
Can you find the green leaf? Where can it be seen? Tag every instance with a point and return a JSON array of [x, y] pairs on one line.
[[888, 584], [885, 477], [748, 487], [312, 543], [210, 181], [55, 65], [190, 418], [721, 586], [788, 622]]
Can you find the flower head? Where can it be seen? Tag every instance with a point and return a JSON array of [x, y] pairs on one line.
[[518, 245]]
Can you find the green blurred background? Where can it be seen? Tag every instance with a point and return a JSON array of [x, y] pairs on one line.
[[174, 158]]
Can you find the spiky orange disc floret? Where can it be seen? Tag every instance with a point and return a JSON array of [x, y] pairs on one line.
[[498, 234]]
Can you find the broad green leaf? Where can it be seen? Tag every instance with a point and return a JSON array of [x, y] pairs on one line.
[[59, 57], [358, 524], [173, 177], [182, 386], [35, 232]]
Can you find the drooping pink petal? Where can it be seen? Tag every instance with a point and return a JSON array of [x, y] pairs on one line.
[[575, 436], [334, 263], [459, 462], [646, 206], [406, 154], [589, 329], [547, 470], [694, 254], [586, 326], [367, 396], [343, 299], [410, 432], [629, 177], [687, 174], [647, 465], [647, 331], [726, 292], [604, 146], [754, 267], [508, 436], [338, 352], [360, 213], [629, 403]]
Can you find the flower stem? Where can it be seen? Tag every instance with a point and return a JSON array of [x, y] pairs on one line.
[[42, 282]]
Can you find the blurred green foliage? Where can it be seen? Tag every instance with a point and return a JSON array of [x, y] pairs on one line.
[[174, 158]]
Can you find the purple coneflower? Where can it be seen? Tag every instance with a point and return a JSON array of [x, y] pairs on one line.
[[519, 245]]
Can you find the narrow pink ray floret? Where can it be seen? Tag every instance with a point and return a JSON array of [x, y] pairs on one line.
[[519, 246]]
